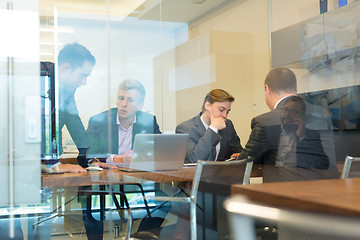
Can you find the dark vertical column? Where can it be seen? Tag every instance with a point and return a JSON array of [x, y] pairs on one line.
[[323, 6]]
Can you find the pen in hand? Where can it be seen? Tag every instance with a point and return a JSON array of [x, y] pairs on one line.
[[230, 159]]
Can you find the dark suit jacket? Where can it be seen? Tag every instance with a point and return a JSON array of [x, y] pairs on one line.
[[100, 130], [202, 141], [309, 151], [69, 116], [264, 141], [256, 142]]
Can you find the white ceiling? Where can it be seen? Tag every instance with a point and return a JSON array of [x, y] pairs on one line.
[[177, 10], [171, 10]]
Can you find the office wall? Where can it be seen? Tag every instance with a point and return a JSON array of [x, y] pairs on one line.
[[231, 45], [328, 66], [320, 39], [286, 13]]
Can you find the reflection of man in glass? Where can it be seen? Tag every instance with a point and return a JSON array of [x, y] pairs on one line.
[[113, 131], [75, 64], [280, 85], [298, 146]]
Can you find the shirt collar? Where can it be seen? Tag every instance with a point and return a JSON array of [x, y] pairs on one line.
[[281, 100], [203, 122], [119, 124]]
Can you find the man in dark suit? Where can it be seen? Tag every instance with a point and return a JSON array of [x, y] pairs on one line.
[[113, 131], [269, 142], [280, 83], [290, 144], [75, 65], [212, 135]]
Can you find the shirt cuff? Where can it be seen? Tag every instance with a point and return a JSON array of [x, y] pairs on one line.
[[110, 158], [214, 129], [54, 165]]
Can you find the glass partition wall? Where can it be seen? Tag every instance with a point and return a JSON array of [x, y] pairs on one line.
[[55, 105]]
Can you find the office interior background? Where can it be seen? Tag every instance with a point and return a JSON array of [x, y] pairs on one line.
[[179, 50]]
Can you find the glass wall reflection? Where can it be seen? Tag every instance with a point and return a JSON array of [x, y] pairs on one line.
[[81, 79]]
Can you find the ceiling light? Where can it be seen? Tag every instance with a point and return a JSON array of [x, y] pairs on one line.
[[60, 30]]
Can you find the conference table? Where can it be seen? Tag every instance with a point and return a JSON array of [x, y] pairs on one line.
[[114, 176], [74, 183], [330, 196], [210, 191]]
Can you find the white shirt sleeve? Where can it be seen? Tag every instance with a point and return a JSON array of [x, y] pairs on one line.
[[110, 158]]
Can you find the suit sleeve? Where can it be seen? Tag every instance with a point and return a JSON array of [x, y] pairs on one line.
[[69, 116], [156, 126], [235, 141], [199, 147], [256, 144], [76, 129], [93, 136]]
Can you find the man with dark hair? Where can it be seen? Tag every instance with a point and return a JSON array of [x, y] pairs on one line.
[[75, 64], [212, 135], [112, 132], [271, 139]]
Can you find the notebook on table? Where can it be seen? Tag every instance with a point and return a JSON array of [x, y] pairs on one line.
[[157, 152]]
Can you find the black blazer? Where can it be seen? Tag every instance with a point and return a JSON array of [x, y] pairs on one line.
[[202, 141], [309, 151], [264, 141]]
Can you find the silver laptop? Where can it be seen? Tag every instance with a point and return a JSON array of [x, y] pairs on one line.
[[158, 152]]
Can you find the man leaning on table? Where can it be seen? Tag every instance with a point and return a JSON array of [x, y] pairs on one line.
[[212, 135], [75, 66], [113, 131]]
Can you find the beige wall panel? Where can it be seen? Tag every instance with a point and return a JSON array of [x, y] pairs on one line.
[[250, 19]]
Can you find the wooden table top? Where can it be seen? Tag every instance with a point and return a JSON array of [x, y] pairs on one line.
[[333, 196], [114, 176]]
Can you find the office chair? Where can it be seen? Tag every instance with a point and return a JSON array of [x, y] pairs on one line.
[[351, 167], [291, 225], [210, 174]]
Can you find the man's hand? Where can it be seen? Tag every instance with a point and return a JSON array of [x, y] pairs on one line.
[[72, 168], [235, 156], [103, 165], [124, 158], [217, 122]]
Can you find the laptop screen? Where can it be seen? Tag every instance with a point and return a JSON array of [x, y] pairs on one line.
[[159, 152]]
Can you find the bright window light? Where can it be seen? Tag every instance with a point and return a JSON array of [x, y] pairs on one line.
[[19, 32]]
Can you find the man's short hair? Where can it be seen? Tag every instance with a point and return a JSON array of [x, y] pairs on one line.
[[133, 84], [75, 54], [280, 80], [217, 95]]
